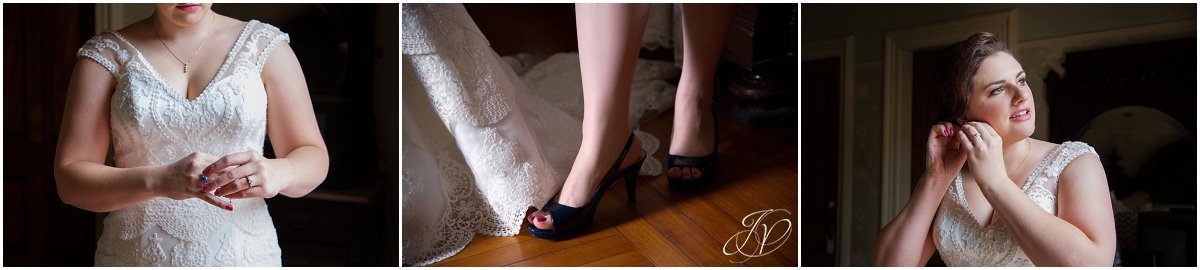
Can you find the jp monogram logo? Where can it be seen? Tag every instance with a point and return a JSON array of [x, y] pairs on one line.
[[761, 234]]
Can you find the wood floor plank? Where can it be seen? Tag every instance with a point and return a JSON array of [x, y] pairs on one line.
[[582, 254], [483, 243], [674, 225], [529, 249], [632, 258], [716, 222], [755, 194], [660, 250], [759, 189], [762, 153]]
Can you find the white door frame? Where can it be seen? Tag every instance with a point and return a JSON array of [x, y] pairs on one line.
[[843, 48], [899, 46]]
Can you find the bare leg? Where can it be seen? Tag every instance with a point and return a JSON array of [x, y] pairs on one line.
[[608, 46], [704, 28]]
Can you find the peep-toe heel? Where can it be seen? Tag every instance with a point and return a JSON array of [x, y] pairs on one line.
[[570, 221]]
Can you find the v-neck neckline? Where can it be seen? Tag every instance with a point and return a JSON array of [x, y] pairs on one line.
[[175, 92], [962, 196]]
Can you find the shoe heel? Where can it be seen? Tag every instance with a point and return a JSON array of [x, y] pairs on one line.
[[631, 185]]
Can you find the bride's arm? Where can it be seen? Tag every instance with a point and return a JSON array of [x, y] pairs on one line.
[[302, 158], [906, 240], [1083, 233], [79, 171]]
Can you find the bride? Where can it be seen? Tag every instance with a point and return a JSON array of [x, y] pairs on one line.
[[183, 97], [1018, 201]]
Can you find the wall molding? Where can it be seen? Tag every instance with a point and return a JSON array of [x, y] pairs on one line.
[[842, 48]]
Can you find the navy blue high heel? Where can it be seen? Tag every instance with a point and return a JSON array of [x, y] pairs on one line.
[[570, 221], [705, 164]]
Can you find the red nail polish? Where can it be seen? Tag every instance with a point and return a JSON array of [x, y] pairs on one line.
[[229, 207], [206, 187]]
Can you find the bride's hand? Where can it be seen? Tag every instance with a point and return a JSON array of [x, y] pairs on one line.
[[985, 152], [181, 180], [943, 156], [247, 175]]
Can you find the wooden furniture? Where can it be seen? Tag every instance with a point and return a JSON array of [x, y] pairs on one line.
[[760, 56]]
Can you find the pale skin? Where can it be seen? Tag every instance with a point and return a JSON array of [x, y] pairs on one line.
[[608, 46], [997, 164], [84, 180]]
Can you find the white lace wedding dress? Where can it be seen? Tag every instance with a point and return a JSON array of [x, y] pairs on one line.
[[481, 143], [153, 124], [961, 241]]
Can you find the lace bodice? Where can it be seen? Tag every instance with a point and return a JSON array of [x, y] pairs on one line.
[[152, 124], [962, 242]]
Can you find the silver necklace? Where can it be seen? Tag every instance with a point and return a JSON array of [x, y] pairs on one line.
[[1028, 150], [211, 25]]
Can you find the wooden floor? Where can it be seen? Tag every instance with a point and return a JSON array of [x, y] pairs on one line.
[[665, 227]]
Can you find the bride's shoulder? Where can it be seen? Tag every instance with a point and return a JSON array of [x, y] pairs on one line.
[[1075, 156], [1067, 145], [1063, 154], [135, 30], [1077, 146]]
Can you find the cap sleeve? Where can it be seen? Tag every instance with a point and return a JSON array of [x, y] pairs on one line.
[[106, 50], [1070, 151], [263, 38]]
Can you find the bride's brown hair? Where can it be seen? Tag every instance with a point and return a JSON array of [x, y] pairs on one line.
[[953, 70]]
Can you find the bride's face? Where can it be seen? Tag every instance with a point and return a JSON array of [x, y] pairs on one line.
[[1002, 98], [184, 14]]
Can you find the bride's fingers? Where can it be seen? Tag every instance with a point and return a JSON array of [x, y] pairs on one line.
[[239, 184], [991, 130], [234, 179], [949, 128], [987, 134], [965, 141], [235, 159], [254, 192], [208, 184], [215, 201], [973, 135]]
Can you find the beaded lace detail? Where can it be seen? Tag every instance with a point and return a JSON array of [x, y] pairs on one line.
[[153, 124], [960, 239]]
